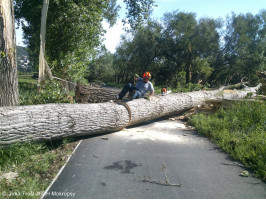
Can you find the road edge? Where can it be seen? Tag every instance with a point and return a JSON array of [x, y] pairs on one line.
[[60, 171]]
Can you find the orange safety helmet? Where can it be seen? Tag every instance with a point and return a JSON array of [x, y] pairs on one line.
[[147, 75]]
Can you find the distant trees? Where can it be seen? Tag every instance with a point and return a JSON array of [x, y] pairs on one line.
[[180, 49], [243, 48], [101, 69]]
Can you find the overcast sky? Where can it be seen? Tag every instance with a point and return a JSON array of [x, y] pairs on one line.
[[202, 8]]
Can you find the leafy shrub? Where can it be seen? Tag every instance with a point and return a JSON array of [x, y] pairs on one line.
[[51, 93]]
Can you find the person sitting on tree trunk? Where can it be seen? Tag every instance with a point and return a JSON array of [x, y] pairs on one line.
[[142, 86]]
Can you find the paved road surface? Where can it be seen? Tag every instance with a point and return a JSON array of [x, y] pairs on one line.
[[115, 168]]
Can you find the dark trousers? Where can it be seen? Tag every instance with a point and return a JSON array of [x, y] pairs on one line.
[[127, 88]]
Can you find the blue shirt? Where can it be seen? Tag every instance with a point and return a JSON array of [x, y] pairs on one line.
[[143, 87]]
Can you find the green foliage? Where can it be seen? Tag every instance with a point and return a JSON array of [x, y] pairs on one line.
[[52, 93], [101, 69], [179, 46], [240, 131], [73, 30], [243, 49], [111, 12], [169, 48], [2, 55], [138, 12], [36, 165]]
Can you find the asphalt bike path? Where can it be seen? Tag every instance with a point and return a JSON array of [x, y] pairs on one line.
[[160, 159]]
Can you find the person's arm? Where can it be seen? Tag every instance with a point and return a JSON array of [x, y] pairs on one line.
[[151, 90], [151, 93], [136, 76]]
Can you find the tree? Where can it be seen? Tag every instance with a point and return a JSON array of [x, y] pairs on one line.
[[138, 12], [191, 41], [42, 61], [101, 68], [74, 29], [181, 27], [9, 95], [243, 49], [176, 46], [140, 53], [207, 49]]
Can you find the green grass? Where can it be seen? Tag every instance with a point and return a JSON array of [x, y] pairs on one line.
[[29, 94], [36, 165], [240, 131], [52, 93], [26, 79]]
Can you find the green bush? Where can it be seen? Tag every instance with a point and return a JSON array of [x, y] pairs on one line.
[[240, 131], [51, 93]]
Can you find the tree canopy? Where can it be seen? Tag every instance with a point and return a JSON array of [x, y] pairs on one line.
[[177, 49], [74, 30], [180, 49]]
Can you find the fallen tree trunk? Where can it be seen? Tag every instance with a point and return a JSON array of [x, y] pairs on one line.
[[56, 121], [89, 94]]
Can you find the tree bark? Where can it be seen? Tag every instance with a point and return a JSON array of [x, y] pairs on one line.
[[189, 64], [88, 94], [42, 62], [9, 95], [54, 121]]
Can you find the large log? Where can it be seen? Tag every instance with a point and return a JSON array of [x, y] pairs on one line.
[[55, 121], [90, 94]]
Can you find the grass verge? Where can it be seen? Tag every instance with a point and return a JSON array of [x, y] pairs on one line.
[[34, 165], [52, 93], [240, 131], [27, 169]]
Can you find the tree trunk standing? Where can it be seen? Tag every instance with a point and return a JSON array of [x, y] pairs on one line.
[[9, 95], [42, 61], [189, 64]]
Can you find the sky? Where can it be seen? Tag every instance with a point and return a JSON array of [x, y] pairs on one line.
[[202, 8]]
